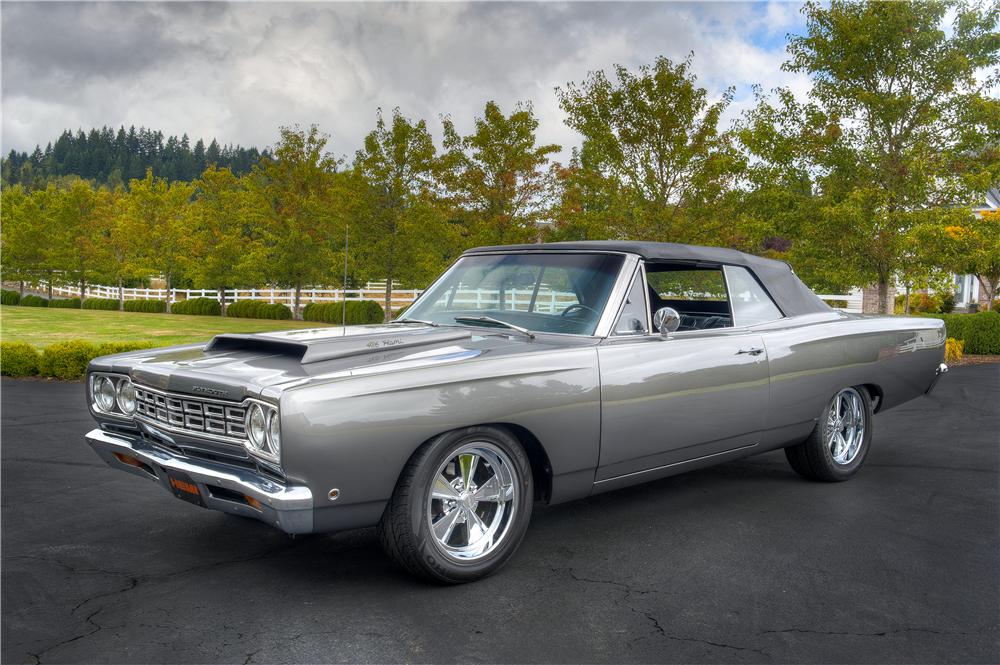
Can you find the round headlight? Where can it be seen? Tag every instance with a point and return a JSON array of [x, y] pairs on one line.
[[126, 397], [104, 393], [274, 433], [256, 426]]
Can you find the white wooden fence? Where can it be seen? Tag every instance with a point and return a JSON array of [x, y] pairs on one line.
[[399, 298], [545, 299], [853, 299]]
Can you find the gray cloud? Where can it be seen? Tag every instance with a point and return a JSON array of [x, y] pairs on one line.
[[238, 71]]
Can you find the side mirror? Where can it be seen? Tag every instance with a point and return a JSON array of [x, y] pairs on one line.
[[666, 320]]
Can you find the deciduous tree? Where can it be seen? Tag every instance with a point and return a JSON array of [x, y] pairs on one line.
[[652, 152], [498, 178], [894, 92]]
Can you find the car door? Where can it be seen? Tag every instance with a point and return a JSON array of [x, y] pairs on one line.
[[671, 399]]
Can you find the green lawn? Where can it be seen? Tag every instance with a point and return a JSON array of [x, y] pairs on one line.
[[41, 327]]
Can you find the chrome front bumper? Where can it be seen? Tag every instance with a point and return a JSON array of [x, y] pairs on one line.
[[220, 486]]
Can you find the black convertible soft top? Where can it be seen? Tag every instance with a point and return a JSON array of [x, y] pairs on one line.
[[789, 293]]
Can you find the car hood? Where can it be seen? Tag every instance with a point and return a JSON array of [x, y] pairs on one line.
[[238, 366]]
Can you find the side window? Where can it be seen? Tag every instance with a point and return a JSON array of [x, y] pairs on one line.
[[698, 294], [632, 320], [751, 304]]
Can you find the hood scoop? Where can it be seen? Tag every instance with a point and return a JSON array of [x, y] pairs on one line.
[[329, 347]]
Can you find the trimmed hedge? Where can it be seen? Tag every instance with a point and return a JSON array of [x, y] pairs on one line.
[[67, 360], [197, 306], [66, 303], [62, 360], [108, 304], [19, 359], [9, 297], [148, 306], [34, 301], [258, 309], [358, 312], [980, 332]]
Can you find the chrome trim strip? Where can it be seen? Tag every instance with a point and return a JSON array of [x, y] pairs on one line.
[[616, 298]]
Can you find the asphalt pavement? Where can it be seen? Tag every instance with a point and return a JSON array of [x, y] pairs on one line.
[[741, 563]]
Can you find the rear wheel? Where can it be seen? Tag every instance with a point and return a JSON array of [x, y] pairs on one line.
[[838, 445], [461, 506]]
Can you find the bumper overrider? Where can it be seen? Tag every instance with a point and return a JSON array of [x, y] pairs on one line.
[[209, 484]]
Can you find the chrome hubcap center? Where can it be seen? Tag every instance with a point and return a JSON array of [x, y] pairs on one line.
[[472, 501], [845, 426]]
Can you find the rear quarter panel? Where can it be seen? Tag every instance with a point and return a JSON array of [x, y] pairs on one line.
[[356, 434], [813, 357]]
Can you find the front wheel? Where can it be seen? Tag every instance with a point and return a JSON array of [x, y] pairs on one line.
[[461, 506], [838, 445]]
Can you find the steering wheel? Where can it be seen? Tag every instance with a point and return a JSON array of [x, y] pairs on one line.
[[576, 306]]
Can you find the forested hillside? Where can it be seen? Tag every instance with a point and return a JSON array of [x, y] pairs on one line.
[[113, 158]]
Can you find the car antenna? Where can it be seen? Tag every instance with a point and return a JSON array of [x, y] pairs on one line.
[[343, 300]]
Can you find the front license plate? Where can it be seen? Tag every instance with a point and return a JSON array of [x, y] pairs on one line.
[[184, 488]]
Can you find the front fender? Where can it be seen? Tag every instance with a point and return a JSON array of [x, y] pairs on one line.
[[356, 434]]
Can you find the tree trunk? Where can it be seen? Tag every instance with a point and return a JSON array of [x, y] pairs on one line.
[[121, 295], [22, 289], [989, 286], [883, 296], [222, 300], [906, 306], [48, 281], [296, 313], [83, 290]]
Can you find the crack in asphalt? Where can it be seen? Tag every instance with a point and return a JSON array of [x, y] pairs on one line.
[[884, 633], [134, 581], [628, 591]]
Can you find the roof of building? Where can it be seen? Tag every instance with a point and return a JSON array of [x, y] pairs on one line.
[[790, 294]]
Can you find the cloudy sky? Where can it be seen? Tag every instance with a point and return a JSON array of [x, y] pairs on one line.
[[237, 72]]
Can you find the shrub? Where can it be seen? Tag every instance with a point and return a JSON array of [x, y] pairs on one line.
[[402, 310], [109, 304], [66, 303], [953, 349], [34, 301], [19, 359], [980, 333], [111, 348], [67, 360], [358, 312], [947, 303], [920, 303], [150, 306], [197, 306], [258, 309], [9, 297]]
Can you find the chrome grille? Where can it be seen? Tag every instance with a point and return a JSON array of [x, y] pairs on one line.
[[186, 414]]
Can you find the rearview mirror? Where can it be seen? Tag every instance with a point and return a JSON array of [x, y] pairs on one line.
[[666, 320]]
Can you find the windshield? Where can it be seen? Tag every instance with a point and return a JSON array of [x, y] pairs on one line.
[[556, 293]]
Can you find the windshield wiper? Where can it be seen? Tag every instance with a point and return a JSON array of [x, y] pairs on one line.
[[432, 324], [490, 319]]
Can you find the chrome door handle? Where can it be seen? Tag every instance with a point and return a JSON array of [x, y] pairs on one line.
[[753, 351]]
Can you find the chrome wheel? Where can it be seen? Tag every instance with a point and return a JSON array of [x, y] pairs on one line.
[[845, 426], [472, 501]]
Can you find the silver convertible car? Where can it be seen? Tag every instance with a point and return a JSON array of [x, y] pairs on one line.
[[524, 373]]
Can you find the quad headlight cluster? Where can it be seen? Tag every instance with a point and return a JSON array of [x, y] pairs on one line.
[[264, 431], [113, 395]]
